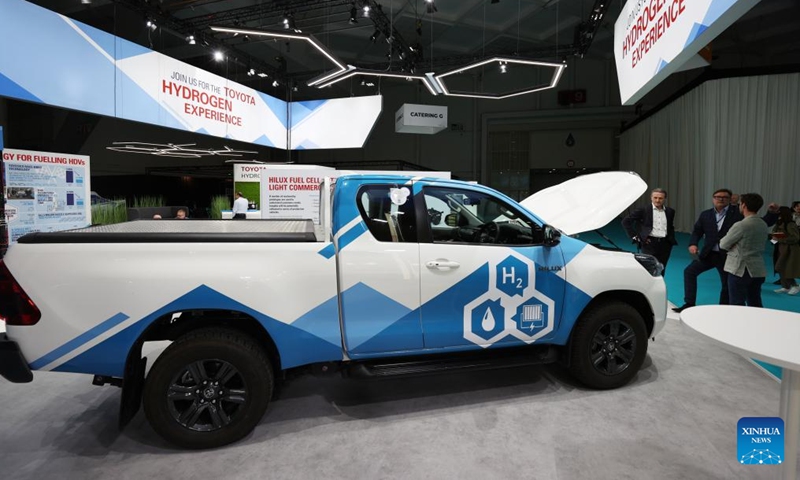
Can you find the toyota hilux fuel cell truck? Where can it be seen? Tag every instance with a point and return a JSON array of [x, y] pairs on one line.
[[197, 320]]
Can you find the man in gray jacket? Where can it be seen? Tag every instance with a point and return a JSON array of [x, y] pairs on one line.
[[745, 243]]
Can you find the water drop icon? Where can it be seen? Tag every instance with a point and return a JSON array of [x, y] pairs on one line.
[[488, 323]]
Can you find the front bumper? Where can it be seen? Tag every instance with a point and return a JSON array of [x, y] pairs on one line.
[[12, 364]]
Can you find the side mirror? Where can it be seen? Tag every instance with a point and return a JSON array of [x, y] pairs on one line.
[[552, 236]]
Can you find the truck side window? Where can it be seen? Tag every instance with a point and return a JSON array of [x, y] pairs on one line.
[[464, 216], [388, 211]]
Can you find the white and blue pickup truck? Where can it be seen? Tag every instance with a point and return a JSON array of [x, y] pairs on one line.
[[197, 320]]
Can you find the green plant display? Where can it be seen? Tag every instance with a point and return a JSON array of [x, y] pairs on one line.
[[111, 212], [218, 204], [149, 201]]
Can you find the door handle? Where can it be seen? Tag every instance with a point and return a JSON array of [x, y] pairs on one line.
[[442, 264]]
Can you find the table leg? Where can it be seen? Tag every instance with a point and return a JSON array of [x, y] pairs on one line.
[[790, 412]]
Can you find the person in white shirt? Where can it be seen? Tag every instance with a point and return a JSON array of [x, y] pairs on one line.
[[240, 207], [653, 227]]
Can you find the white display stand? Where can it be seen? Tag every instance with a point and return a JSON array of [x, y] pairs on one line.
[[250, 215], [767, 335]]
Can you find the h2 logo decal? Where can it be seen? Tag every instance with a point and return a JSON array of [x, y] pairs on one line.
[[511, 305], [512, 276]]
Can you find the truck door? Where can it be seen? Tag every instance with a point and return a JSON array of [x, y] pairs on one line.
[[378, 265], [486, 277]]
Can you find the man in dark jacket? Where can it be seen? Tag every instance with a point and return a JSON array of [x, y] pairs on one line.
[[653, 227], [713, 224]]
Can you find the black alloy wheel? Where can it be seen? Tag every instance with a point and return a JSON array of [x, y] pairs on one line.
[[613, 347], [208, 389], [608, 345], [206, 395]]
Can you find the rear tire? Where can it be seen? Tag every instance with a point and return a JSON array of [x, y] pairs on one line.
[[608, 345], [209, 388]]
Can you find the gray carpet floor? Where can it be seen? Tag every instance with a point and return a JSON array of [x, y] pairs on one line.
[[676, 420]]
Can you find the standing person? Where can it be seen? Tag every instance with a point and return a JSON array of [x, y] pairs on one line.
[[653, 227], [735, 200], [796, 212], [240, 207], [712, 224], [745, 260], [772, 214], [787, 235]]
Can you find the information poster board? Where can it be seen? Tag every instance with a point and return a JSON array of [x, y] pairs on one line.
[[45, 192], [247, 178], [292, 194]]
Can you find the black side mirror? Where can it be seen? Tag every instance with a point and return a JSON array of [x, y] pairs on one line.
[[552, 236]]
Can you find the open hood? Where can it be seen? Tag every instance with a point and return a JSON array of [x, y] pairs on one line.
[[587, 202]]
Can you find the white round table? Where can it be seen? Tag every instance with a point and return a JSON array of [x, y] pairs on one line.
[[772, 336]]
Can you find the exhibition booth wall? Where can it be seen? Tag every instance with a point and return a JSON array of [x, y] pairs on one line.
[[740, 133], [107, 75]]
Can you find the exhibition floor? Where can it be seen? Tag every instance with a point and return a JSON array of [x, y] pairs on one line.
[[677, 419]]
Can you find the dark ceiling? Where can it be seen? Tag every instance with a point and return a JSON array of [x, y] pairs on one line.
[[458, 32], [453, 33], [423, 38]]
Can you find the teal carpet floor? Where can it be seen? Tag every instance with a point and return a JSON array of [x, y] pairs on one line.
[[707, 284]]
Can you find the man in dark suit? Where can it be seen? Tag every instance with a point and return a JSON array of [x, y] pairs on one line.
[[713, 224], [653, 227]]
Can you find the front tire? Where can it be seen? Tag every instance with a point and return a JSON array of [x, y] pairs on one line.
[[209, 388], [608, 346]]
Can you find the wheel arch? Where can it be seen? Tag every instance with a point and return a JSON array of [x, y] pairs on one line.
[[633, 298], [168, 327]]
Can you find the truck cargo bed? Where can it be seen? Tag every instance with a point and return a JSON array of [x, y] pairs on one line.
[[181, 231]]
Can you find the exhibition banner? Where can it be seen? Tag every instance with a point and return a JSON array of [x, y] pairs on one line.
[[655, 38], [337, 123], [45, 192], [157, 89], [73, 65]]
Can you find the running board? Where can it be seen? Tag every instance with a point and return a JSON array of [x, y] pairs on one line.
[[452, 362]]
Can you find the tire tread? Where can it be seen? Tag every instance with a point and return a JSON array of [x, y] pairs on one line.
[[583, 331], [208, 338]]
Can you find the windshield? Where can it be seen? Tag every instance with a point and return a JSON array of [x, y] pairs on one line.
[[476, 208]]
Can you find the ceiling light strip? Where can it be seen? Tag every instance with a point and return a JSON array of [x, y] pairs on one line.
[[324, 77], [296, 36], [371, 73], [558, 67], [432, 82]]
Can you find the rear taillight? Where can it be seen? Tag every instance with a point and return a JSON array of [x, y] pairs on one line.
[[16, 307]]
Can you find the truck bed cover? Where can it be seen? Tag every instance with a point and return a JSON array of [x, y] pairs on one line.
[[183, 231]]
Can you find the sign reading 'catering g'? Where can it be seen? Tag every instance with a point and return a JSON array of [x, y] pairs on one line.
[[654, 38], [428, 119]]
